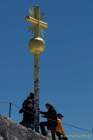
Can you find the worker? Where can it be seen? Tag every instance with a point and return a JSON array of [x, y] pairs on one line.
[[28, 113], [51, 122], [59, 129]]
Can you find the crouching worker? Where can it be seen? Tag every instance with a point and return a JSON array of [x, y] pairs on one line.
[[59, 129], [28, 113], [51, 122]]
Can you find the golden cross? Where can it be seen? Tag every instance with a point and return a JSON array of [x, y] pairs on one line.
[[36, 21]]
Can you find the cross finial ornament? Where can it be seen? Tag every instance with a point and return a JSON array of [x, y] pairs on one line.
[[35, 18]]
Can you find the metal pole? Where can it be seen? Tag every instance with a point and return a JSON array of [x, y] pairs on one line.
[[36, 71], [37, 46], [10, 109], [36, 89]]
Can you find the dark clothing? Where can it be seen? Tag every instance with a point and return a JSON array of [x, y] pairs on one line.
[[60, 137], [44, 132], [42, 127], [51, 122], [28, 114], [27, 124], [29, 98], [51, 116], [27, 101]]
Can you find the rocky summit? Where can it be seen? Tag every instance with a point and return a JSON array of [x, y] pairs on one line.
[[10, 130]]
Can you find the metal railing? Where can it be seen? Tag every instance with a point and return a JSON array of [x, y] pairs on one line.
[[9, 109]]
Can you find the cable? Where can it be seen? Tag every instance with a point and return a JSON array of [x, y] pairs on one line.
[[83, 129]]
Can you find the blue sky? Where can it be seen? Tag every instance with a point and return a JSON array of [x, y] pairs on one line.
[[66, 72]]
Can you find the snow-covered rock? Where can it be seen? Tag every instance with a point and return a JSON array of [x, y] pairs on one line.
[[10, 130]]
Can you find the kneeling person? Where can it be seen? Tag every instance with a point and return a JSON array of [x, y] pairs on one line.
[[28, 114]]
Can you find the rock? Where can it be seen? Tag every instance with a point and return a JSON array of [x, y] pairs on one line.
[[1, 138], [10, 130]]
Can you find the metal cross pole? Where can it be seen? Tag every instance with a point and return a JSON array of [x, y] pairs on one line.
[[37, 46]]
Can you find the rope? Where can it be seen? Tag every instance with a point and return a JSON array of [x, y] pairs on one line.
[[80, 128]]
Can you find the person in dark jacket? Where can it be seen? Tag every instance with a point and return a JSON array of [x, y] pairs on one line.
[[30, 97], [28, 113], [51, 122]]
